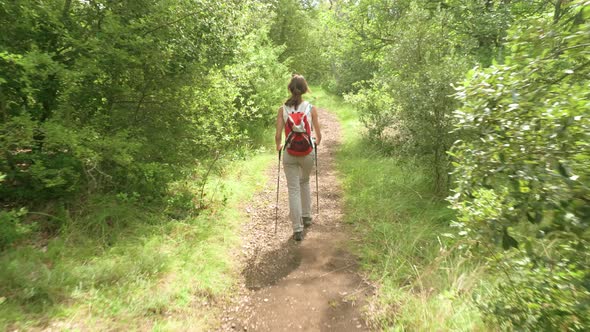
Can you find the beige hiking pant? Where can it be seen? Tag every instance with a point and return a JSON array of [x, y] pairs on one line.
[[297, 170]]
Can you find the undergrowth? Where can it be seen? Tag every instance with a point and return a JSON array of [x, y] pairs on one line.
[[121, 265], [423, 283]]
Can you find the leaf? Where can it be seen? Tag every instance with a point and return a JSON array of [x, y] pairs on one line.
[[536, 218], [508, 241], [528, 247], [563, 170], [530, 217]]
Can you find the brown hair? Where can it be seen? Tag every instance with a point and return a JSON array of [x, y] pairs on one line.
[[297, 87]]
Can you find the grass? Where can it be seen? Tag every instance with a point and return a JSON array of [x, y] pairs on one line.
[[126, 267], [423, 283]]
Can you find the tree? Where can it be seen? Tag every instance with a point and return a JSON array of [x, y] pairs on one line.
[[121, 96]]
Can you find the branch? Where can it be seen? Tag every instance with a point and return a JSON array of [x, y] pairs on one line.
[[372, 36], [559, 52], [66, 11], [169, 23], [155, 102], [572, 47], [143, 95], [557, 11], [217, 155], [557, 80]]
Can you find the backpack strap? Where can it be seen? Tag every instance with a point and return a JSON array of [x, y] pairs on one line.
[[308, 115], [285, 114]]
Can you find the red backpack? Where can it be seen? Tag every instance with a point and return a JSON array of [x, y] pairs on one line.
[[298, 130]]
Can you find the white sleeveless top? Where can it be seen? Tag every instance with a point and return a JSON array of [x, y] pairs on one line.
[[305, 106]]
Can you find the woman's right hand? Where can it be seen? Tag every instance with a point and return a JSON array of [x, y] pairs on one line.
[[279, 147]]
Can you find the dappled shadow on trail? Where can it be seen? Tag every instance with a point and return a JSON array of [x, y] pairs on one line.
[[267, 269], [313, 285]]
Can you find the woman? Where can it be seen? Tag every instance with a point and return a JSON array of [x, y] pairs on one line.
[[294, 115]]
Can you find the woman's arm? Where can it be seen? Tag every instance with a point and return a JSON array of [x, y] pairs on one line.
[[316, 125], [279, 131]]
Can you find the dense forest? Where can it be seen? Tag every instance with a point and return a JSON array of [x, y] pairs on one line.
[[110, 104]]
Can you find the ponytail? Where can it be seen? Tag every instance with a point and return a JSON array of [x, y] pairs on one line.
[[297, 87]]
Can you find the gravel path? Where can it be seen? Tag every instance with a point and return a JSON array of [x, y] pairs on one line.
[[308, 286]]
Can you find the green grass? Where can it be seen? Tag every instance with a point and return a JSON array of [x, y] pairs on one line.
[[125, 267], [423, 283]]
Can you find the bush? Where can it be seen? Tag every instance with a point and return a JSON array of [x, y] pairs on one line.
[[122, 96], [522, 172], [407, 103], [12, 228]]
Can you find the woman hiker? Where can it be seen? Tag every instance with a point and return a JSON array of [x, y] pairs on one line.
[[299, 119]]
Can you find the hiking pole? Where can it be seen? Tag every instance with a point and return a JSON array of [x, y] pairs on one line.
[[277, 206], [317, 192]]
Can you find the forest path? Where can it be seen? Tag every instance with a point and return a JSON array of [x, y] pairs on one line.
[[313, 285]]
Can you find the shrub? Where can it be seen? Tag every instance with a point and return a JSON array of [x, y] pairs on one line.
[[11, 227], [522, 171]]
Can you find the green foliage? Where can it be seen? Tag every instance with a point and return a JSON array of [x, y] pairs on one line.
[[481, 25], [12, 228], [539, 296], [403, 57], [119, 264], [102, 96], [377, 113], [290, 28], [407, 103], [423, 284], [113, 110], [301, 29], [351, 55], [522, 176]]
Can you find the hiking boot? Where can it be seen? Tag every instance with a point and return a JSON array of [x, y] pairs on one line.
[[298, 236], [306, 221]]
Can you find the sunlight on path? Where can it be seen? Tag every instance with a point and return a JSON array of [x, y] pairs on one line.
[[307, 286]]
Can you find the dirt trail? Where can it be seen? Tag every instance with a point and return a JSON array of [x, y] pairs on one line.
[[308, 286]]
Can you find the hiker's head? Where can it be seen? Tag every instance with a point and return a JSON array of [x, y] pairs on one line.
[[297, 87]]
